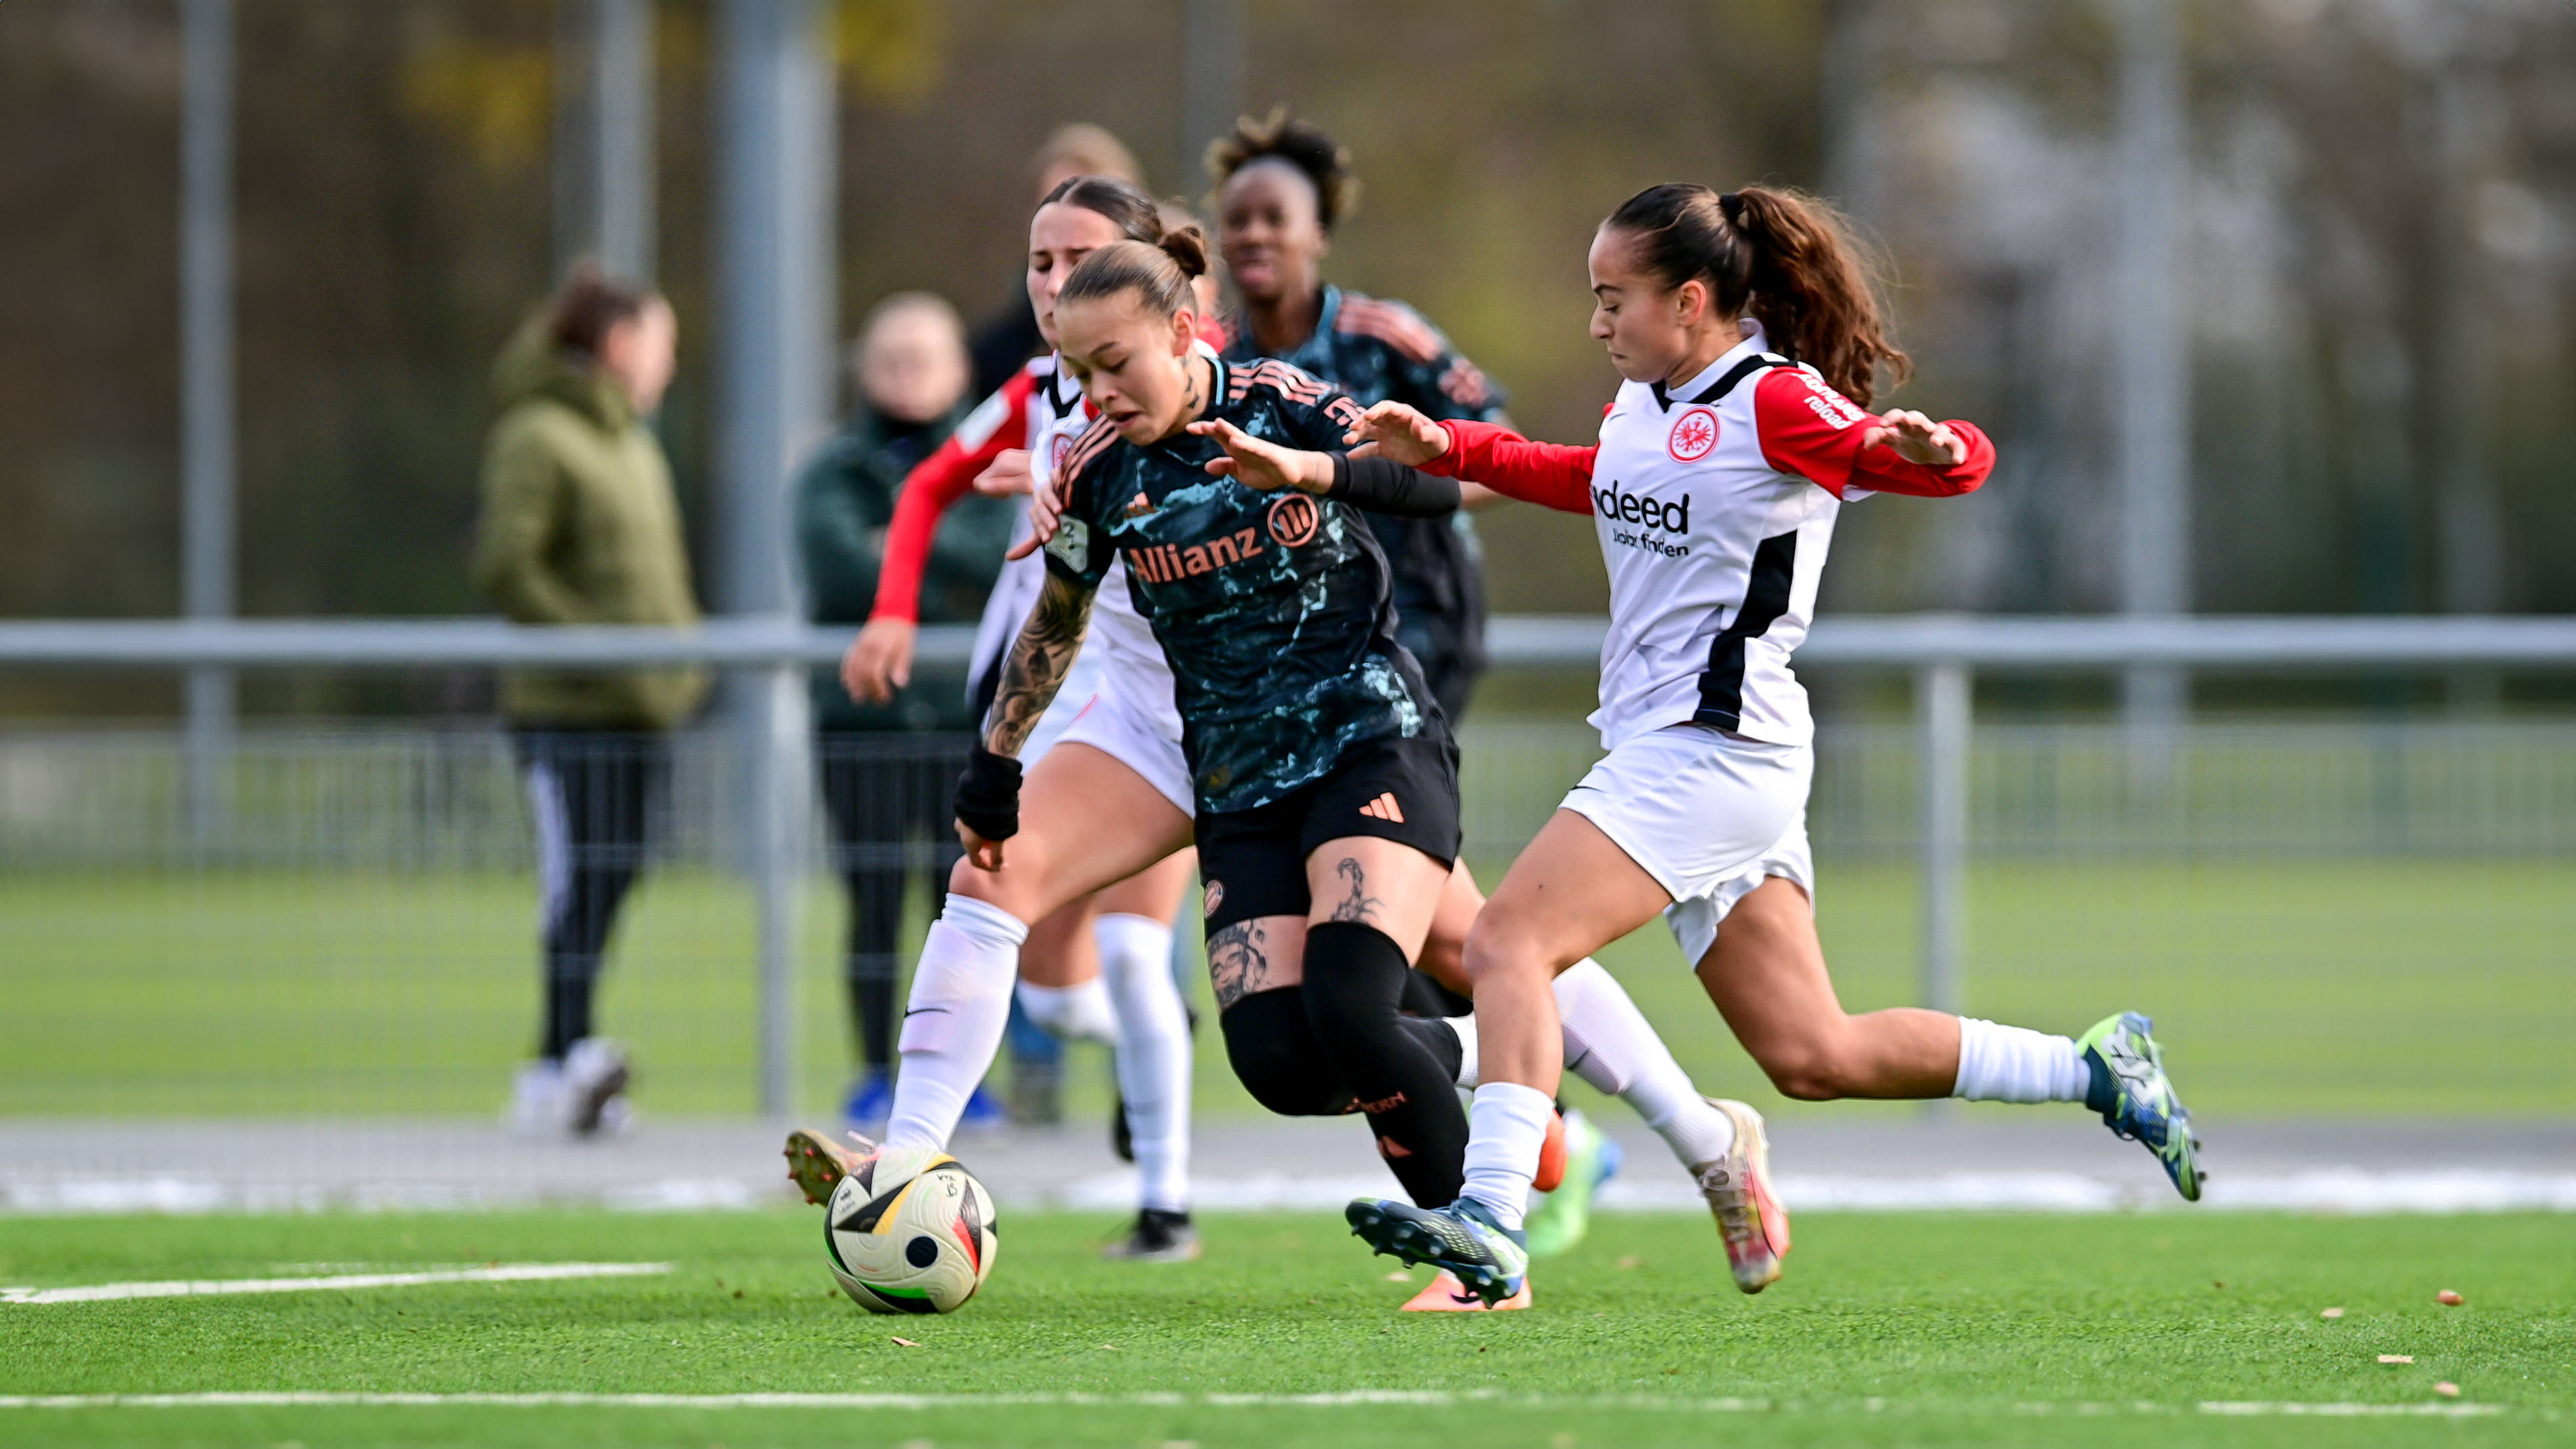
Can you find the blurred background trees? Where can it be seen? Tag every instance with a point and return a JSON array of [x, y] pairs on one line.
[[2378, 230]]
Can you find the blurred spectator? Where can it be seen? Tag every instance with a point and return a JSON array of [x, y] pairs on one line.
[[885, 776], [1009, 336], [579, 526]]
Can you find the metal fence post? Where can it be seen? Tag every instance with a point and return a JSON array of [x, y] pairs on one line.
[[1943, 701], [779, 774], [206, 401]]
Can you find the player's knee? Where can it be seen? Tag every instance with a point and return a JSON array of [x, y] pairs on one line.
[[1274, 1053], [1496, 951], [1007, 889], [1806, 1069]]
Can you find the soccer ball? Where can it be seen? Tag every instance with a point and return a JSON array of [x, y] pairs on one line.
[[910, 1230]]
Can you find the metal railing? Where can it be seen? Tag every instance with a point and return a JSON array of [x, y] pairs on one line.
[[770, 657]]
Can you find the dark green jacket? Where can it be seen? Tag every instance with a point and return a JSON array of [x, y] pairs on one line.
[[580, 526], [844, 502]]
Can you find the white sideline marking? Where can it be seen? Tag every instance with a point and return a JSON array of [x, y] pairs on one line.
[[1426, 1398], [501, 1273]]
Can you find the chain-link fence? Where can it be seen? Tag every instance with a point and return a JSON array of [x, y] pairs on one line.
[[2333, 916]]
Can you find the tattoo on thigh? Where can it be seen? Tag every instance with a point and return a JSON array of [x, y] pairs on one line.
[[1356, 904], [1237, 964]]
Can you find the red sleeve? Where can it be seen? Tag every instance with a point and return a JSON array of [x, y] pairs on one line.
[[1815, 432], [937, 482], [1551, 474]]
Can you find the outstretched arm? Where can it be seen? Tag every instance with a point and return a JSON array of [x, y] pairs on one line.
[[1816, 433], [988, 794], [1550, 474], [1378, 484]]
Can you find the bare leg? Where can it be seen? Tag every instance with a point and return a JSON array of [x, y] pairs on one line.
[[1086, 821], [1767, 977], [1571, 893]]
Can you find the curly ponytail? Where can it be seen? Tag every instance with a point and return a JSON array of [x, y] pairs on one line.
[[1784, 257]]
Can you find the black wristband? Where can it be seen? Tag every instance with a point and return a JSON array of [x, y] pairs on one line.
[[1383, 485], [988, 794]]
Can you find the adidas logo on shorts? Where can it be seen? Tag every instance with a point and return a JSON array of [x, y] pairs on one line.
[[1384, 808]]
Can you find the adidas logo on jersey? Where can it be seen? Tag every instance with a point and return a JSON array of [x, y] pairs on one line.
[[1616, 502], [1384, 808], [1139, 506]]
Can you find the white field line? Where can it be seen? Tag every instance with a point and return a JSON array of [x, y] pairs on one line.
[[1419, 1398], [498, 1273]]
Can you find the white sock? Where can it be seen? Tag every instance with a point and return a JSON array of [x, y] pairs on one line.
[[952, 1025], [1153, 1054], [1609, 1044], [1465, 1027], [1506, 1128], [1080, 1012], [2016, 1064]]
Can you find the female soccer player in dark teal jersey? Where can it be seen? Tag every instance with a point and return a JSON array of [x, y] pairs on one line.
[[1326, 781]]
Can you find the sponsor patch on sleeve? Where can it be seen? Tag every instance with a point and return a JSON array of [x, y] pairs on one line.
[[1072, 545]]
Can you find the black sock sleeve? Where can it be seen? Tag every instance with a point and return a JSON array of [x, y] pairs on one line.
[[1355, 977], [1274, 1054], [1383, 485]]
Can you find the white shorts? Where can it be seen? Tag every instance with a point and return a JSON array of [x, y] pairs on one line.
[[1708, 815], [1112, 724]]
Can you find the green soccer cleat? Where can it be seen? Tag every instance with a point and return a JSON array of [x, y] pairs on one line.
[[1462, 1239], [2136, 1098], [1591, 1159]]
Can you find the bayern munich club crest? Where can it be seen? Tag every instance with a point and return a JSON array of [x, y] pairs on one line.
[[1293, 519], [1056, 451], [1694, 433]]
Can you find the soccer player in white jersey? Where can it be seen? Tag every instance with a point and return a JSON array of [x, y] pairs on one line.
[[1748, 337]]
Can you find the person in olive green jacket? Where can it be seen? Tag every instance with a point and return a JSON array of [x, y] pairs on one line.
[[887, 770], [579, 526]]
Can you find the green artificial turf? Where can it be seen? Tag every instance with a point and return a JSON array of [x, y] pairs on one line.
[[1916, 1329], [2297, 987]]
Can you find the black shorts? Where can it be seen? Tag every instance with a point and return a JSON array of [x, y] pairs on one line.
[[1254, 861]]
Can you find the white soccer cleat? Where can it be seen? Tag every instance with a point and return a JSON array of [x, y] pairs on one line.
[[595, 1074]]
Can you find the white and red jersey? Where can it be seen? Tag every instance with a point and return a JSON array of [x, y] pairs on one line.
[[1048, 407], [1715, 503]]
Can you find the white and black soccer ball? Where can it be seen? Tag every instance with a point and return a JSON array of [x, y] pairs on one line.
[[910, 1231]]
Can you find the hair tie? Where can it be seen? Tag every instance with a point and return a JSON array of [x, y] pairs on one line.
[[1731, 206]]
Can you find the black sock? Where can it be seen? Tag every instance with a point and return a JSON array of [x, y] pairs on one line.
[[1439, 1040], [572, 978], [1424, 996], [1355, 977]]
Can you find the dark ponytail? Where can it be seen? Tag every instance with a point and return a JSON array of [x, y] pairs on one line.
[[1158, 274], [1784, 257]]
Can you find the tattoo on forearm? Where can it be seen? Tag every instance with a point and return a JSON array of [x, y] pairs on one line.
[[1237, 964], [1038, 662], [1356, 903]]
